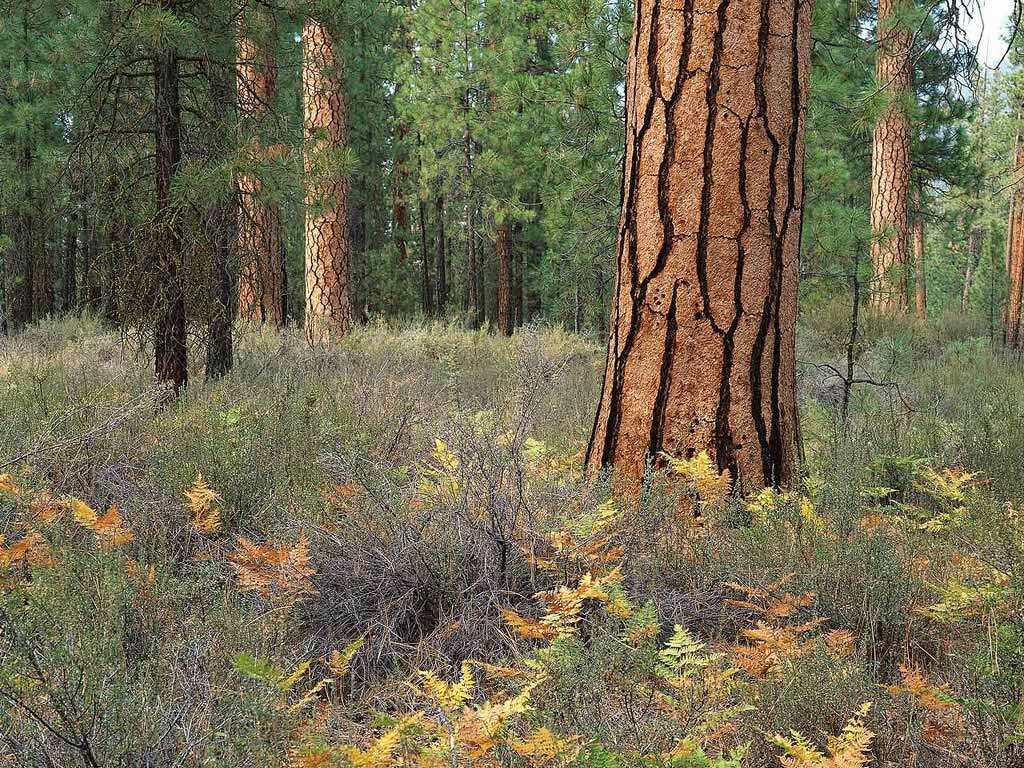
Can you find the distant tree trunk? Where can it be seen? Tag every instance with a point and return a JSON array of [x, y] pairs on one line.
[[1013, 252], [974, 244], [399, 206], [261, 275], [1016, 293], [473, 303], [69, 282], [920, 286], [111, 274], [18, 275], [222, 236], [90, 283], [426, 286], [440, 270], [328, 250], [519, 282], [890, 165], [503, 250], [701, 355], [171, 361], [21, 263], [43, 279]]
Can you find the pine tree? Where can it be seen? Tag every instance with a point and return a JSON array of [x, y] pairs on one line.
[[702, 350], [327, 244], [890, 161]]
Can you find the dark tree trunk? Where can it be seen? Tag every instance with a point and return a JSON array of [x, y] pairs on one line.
[[701, 355], [222, 235], [503, 250], [974, 244], [426, 285], [440, 269], [69, 277], [171, 362]]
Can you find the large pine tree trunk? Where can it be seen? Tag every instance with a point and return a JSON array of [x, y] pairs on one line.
[[890, 166], [327, 248], [169, 342], [503, 250], [261, 273], [701, 355], [920, 284]]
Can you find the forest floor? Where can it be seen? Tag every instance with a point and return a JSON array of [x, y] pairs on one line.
[[290, 565]]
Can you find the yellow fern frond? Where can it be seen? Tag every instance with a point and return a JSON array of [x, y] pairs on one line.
[[202, 499], [449, 696]]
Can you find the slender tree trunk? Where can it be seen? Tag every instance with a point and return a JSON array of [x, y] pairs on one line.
[[261, 274], [920, 286], [399, 206], [112, 253], [328, 249], [18, 275], [890, 166], [1013, 304], [171, 361], [974, 244], [701, 355], [222, 236], [473, 305], [1011, 316], [503, 250], [69, 282], [517, 265], [426, 285], [440, 270]]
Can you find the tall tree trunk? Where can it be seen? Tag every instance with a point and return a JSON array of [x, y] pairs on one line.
[[440, 268], [503, 250], [701, 355], [171, 361], [261, 274], [974, 244], [426, 286], [18, 275], [920, 286], [221, 222], [1013, 249], [519, 280], [327, 249], [111, 274], [473, 305], [69, 273], [890, 165], [399, 206], [1016, 292]]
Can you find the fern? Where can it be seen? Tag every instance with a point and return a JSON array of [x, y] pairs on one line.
[[850, 749]]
